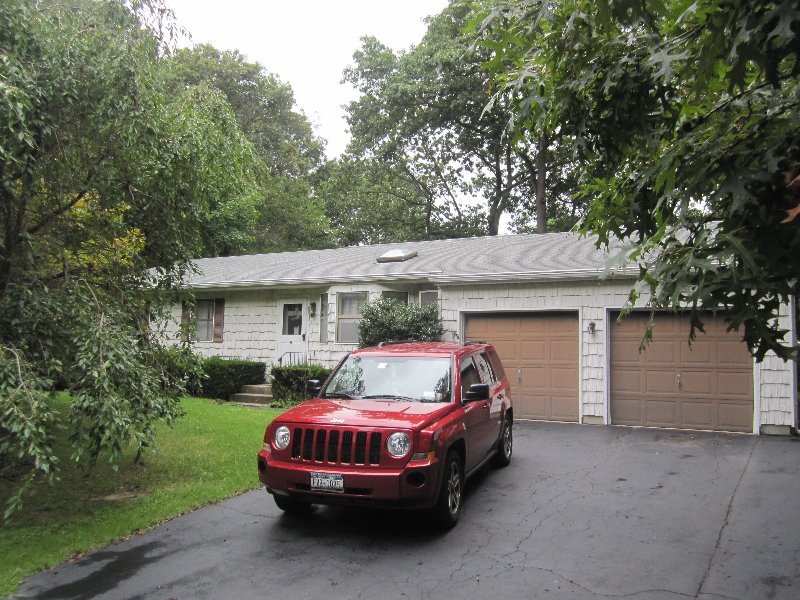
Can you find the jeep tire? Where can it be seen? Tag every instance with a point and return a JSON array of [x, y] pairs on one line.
[[451, 493], [505, 445]]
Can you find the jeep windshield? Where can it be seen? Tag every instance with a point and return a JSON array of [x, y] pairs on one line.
[[402, 378]]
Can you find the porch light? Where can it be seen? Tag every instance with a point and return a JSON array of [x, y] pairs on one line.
[[312, 309], [592, 327]]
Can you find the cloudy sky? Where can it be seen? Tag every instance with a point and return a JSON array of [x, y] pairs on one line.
[[307, 43]]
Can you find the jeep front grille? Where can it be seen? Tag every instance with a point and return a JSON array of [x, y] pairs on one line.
[[334, 446]]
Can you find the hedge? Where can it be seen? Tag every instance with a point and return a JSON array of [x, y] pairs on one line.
[[226, 376], [289, 382]]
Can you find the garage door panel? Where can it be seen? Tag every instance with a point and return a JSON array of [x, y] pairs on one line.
[[530, 405], [662, 354], [701, 352], [626, 381], [541, 350], [625, 353], [563, 407], [730, 353], [736, 417], [699, 382], [628, 411], [533, 351], [506, 350], [660, 382], [735, 385], [534, 377], [563, 379], [562, 351], [697, 415], [706, 386]]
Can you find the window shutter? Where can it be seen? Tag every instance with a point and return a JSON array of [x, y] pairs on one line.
[[185, 321], [219, 318]]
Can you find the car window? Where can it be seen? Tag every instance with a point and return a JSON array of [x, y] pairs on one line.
[[497, 366], [469, 374], [484, 369], [420, 379]]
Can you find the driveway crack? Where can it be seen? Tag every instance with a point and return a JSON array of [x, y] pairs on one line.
[[725, 523]]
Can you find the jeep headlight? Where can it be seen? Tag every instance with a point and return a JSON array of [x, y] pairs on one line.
[[282, 437], [398, 444]]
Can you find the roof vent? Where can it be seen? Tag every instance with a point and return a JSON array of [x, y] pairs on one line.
[[397, 255]]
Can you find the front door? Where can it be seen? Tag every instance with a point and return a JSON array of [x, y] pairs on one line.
[[291, 339]]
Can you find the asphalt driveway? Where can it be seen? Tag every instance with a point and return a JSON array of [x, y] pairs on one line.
[[582, 512]]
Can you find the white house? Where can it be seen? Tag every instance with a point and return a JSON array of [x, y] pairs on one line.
[[547, 302]]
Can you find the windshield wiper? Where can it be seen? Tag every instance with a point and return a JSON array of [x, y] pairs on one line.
[[387, 397], [337, 395]]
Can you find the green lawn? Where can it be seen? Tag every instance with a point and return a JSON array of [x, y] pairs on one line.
[[209, 455]]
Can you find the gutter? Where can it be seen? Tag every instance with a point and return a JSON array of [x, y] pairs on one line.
[[434, 277]]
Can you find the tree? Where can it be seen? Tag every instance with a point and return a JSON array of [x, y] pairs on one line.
[[371, 202], [425, 114], [264, 106], [687, 120], [283, 214], [108, 185]]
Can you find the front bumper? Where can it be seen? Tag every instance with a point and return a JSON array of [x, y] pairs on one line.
[[414, 486]]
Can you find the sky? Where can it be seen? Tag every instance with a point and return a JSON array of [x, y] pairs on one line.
[[307, 44]]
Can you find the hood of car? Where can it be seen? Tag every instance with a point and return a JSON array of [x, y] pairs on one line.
[[366, 413]]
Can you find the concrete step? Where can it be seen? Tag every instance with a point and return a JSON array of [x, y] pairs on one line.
[[264, 388], [249, 398]]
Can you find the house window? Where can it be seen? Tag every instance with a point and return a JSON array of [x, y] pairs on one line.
[[401, 297], [348, 314], [208, 323], [292, 319], [204, 320], [323, 319], [428, 297]]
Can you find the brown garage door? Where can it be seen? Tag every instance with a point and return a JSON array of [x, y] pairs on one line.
[[706, 386], [540, 356]]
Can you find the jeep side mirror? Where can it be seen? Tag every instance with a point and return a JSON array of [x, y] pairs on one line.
[[477, 391], [313, 386]]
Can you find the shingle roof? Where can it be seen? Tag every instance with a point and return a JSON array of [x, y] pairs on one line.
[[490, 258]]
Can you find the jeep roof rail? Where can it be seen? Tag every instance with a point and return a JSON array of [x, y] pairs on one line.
[[392, 342], [470, 342]]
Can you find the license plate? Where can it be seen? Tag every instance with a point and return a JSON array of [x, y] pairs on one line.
[[327, 482]]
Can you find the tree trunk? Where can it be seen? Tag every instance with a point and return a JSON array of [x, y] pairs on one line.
[[541, 201]]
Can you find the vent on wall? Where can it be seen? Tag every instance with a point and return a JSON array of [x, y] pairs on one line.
[[397, 255]]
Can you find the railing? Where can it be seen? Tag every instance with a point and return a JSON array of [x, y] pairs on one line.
[[292, 358]]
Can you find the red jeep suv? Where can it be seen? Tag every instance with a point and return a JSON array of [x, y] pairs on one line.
[[395, 425]]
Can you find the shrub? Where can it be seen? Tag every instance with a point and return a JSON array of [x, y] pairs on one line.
[[289, 382], [181, 368], [386, 319], [226, 376]]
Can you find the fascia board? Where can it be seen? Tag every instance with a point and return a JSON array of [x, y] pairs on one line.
[[566, 275], [430, 277]]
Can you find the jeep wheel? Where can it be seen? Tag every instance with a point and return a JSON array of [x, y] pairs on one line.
[[448, 508], [291, 506], [505, 446]]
